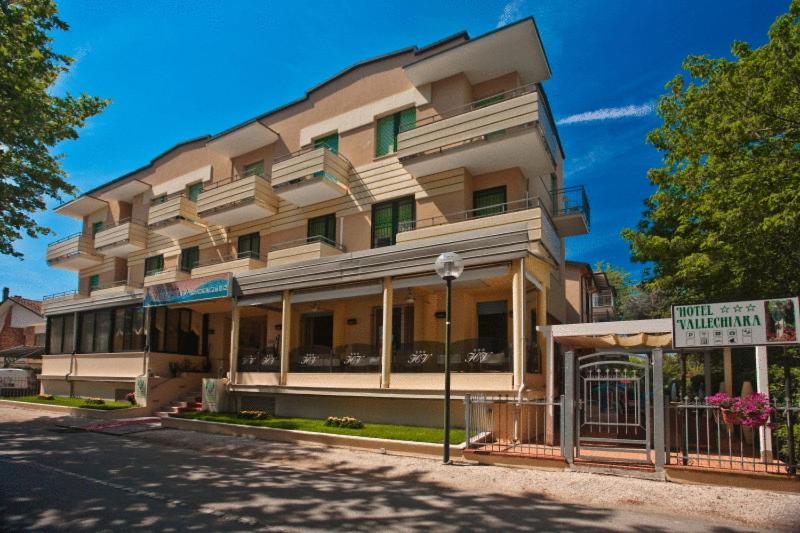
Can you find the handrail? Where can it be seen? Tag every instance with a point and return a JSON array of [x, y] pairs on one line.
[[466, 108], [59, 295], [307, 149], [307, 240], [218, 260], [68, 237], [571, 200], [236, 177], [471, 214], [120, 222], [119, 283]]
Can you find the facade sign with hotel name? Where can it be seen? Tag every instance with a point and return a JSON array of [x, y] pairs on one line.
[[188, 291], [748, 323]]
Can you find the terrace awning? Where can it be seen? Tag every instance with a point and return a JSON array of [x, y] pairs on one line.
[[640, 340]]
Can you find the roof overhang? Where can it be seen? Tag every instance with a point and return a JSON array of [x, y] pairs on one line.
[[80, 207], [516, 47], [124, 192], [243, 140], [601, 281]]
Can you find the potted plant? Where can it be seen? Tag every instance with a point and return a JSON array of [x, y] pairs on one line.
[[726, 404], [754, 410]]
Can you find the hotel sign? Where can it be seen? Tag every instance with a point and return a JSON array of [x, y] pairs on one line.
[[189, 290], [750, 323]]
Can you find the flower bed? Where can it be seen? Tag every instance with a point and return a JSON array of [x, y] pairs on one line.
[[378, 431]]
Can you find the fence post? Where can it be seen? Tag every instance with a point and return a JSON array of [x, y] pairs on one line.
[[569, 406], [561, 425], [467, 417], [658, 408]]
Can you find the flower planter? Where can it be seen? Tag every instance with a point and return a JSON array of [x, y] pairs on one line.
[[729, 417]]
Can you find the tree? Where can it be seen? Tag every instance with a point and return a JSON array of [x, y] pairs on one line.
[[723, 222], [33, 121]]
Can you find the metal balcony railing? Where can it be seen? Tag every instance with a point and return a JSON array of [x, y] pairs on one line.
[[470, 214], [570, 201], [307, 240]]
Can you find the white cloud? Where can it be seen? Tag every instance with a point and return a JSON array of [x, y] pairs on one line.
[[510, 12], [610, 113]]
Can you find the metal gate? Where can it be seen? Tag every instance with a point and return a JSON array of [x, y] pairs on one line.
[[617, 412]]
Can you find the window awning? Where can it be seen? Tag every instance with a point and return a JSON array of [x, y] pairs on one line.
[[640, 340]]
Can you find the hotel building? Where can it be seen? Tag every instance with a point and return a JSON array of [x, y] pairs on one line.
[[293, 253]]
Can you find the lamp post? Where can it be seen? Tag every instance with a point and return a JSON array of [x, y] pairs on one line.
[[449, 266]]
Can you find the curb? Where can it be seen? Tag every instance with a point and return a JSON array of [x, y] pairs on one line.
[[298, 436], [78, 411]]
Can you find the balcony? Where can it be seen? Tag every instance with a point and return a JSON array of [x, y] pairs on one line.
[[311, 176], [512, 129], [234, 264], [115, 288], [63, 296], [236, 200], [175, 218], [158, 277], [74, 252], [122, 239], [571, 214], [527, 214], [303, 250]]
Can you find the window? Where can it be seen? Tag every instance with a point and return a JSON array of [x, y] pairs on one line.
[[159, 199], [554, 192], [389, 127], [61, 334], [322, 228], [94, 282], [489, 201], [493, 325], [387, 217], [249, 246], [153, 265], [488, 101], [95, 331], [194, 190], [402, 327], [128, 329], [190, 258], [97, 227], [330, 141], [255, 169]]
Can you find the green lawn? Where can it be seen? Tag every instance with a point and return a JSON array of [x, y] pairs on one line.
[[377, 431], [73, 402]]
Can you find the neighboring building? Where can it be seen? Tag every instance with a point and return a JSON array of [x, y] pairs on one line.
[[22, 331], [326, 215], [604, 300], [579, 288]]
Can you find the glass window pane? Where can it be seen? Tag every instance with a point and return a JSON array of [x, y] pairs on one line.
[[153, 265], [324, 226], [171, 333], [190, 258], [121, 326], [249, 245], [384, 142], [331, 141], [254, 169], [102, 330], [69, 334], [56, 333], [407, 119], [137, 329], [94, 282], [194, 191], [87, 332], [489, 201]]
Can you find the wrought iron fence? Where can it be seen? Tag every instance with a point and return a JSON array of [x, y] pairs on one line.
[[504, 424], [699, 437], [14, 387]]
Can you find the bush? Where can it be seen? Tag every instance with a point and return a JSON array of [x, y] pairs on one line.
[[344, 422], [94, 401], [46, 397], [255, 415], [131, 397]]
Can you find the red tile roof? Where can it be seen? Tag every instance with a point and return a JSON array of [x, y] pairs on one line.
[[33, 305]]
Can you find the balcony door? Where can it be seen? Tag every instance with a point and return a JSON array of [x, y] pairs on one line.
[[493, 325], [489, 202], [317, 329], [387, 217]]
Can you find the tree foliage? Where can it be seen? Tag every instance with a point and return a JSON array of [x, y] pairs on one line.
[[33, 121], [724, 222], [633, 301]]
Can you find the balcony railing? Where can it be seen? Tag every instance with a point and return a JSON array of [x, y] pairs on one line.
[[311, 175], [116, 284], [307, 240], [73, 252], [470, 214], [572, 201], [61, 295]]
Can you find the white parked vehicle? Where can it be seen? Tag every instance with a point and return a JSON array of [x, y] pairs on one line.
[[15, 378]]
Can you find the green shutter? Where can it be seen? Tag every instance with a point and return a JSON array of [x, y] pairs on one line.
[[190, 258], [94, 282], [488, 101], [331, 141], [97, 227], [489, 201], [254, 169], [384, 143], [195, 190], [324, 226], [407, 119]]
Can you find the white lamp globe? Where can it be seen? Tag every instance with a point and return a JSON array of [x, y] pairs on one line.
[[449, 265]]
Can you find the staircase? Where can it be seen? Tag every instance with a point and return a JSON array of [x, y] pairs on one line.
[[188, 404]]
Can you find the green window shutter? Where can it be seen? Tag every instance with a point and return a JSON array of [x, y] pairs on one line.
[[154, 265], [489, 201], [384, 142], [97, 227], [190, 258], [254, 169], [488, 101], [94, 282], [405, 213], [331, 141], [194, 191], [387, 218], [249, 246], [324, 226], [407, 119]]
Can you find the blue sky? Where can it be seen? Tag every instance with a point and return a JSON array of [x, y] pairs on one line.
[[176, 70]]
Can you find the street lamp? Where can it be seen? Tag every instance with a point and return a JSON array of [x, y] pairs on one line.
[[449, 266]]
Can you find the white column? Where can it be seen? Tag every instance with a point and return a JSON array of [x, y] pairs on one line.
[[286, 334], [386, 338], [762, 385], [727, 363], [234, 356], [518, 321]]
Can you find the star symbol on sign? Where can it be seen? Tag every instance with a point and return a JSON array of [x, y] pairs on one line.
[[724, 309], [737, 308], [751, 308]]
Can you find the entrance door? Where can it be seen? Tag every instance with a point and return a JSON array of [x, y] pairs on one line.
[[493, 326], [317, 329], [613, 408]]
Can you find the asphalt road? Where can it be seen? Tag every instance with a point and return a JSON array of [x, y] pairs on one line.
[[55, 479]]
